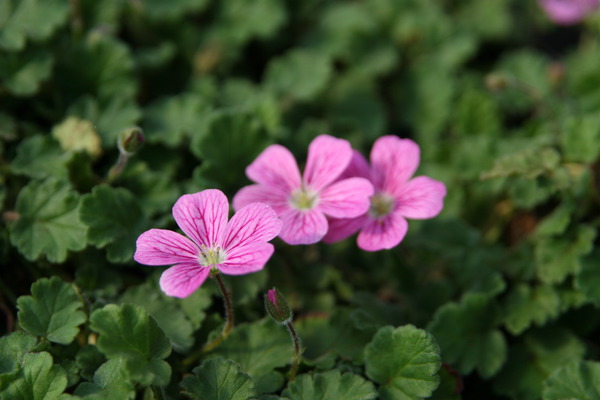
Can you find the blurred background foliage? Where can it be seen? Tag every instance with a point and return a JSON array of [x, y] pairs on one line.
[[504, 104]]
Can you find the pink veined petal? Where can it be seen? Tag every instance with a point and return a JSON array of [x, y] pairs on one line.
[[327, 158], [246, 259], [202, 216], [277, 167], [421, 197], [568, 12], [163, 247], [257, 222], [340, 229], [183, 279], [303, 227], [271, 195], [393, 162], [358, 167], [346, 199], [382, 233]]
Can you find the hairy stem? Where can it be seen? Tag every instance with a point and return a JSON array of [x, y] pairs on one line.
[[297, 353]]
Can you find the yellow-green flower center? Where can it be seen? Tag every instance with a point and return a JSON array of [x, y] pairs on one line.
[[381, 205], [210, 256], [303, 199]]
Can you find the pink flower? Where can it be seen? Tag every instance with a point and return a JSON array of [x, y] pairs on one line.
[[568, 12], [397, 196], [236, 247], [303, 202]]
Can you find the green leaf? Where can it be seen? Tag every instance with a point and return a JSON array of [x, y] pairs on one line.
[[52, 311], [259, 348], [331, 385], [37, 380], [405, 361], [579, 380], [240, 21], [167, 311], [111, 381], [30, 19], [114, 219], [219, 379], [579, 138], [76, 134], [556, 222], [530, 163], [587, 280], [161, 11], [560, 257], [12, 349], [526, 305], [88, 360], [477, 115], [129, 332], [299, 74], [41, 156], [467, 334], [23, 73], [49, 221]]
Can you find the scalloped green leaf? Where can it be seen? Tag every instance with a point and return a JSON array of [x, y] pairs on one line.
[[219, 379], [52, 311], [579, 380], [41, 156], [330, 385], [468, 336], [49, 221], [526, 305], [111, 381], [131, 333], [12, 349], [405, 361], [114, 219], [23, 73], [38, 379], [580, 135]]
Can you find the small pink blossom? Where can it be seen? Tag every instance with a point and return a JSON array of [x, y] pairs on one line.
[[568, 12], [397, 195], [303, 202], [236, 247]]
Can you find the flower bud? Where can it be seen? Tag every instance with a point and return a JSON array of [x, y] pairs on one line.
[[277, 307], [130, 140], [496, 82]]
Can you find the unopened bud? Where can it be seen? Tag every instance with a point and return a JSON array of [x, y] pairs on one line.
[[277, 307], [496, 82], [130, 140]]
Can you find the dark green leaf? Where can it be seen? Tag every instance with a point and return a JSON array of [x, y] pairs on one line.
[[38, 379], [111, 381], [219, 379], [23, 73], [12, 349], [40, 156], [331, 385], [526, 305], [578, 380]]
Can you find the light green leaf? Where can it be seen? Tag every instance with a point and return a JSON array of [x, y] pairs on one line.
[[579, 139], [23, 73], [556, 222], [467, 334], [12, 349], [526, 305], [52, 311], [241, 21], [219, 379], [129, 332], [299, 74], [76, 134], [530, 163], [578, 380], [114, 220], [476, 115], [587, 280], [331, 385], [405, 361], [111, 381], [41, 156], [49, 221], [37, 380]]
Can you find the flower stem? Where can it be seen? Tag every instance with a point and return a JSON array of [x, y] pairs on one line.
[[118, 168], [297, 353]]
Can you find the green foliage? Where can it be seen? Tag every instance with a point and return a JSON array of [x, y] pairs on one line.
[[111, 381], [219, 379], [405, 361], [52, 311], [330, 385], [37, 379], [41, 156], [526, 305], [12, 349], [128, 332], [579, 380]]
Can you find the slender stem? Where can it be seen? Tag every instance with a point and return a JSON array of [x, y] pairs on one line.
[[297, 354], [118, 168]]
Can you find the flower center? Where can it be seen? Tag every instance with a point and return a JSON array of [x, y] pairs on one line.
[[210, 256], [381, 205], [303, 199]]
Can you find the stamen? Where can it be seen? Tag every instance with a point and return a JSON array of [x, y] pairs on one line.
[[303, 199], [381, 205], [211, 256]]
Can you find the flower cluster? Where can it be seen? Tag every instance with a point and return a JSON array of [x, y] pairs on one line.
[[337, 195], [568, 12]]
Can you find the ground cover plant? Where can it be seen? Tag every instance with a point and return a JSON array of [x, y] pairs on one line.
[[370, 199]]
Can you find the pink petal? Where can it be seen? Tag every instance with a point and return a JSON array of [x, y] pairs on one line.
[[202, 216], [358, 167], [346, 199], [275, 167], [246, 259], [303, 227], [182, 280], [163, 247], [382, 233], [393, 162], [340, 229], [421, 197], [271, 195], [328, 157], [568, 12], [257, 222]]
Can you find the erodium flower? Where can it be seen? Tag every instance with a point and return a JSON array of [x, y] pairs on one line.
[[303, 202], [397, 196], [568, 12], [215, 245]]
